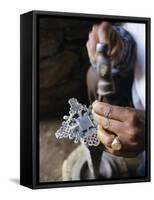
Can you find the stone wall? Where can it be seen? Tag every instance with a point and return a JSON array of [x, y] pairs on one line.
[[63, 62]]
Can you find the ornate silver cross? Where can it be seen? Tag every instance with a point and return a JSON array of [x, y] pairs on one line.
[[79, 125]]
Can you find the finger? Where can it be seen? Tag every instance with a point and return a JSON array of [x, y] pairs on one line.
[[105, 26], [95, 31], [105, 137], [93, 34], [91, 52], [115, 46], [87, 44], [95, 28], [111, 125], [92, 41], [90, 35], [104, 32], [110, 111]]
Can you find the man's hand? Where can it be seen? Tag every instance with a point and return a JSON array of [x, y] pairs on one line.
[[104, 33], [126, 123]]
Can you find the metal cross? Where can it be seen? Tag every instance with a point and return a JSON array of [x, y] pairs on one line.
[[79, 125]]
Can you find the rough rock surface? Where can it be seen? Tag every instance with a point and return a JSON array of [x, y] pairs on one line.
[[63, 62], [52, 151]]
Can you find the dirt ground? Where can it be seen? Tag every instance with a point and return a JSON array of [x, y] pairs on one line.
[[52, 151]]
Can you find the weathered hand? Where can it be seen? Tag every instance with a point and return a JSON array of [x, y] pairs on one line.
[[125, 122], [104, 33]]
